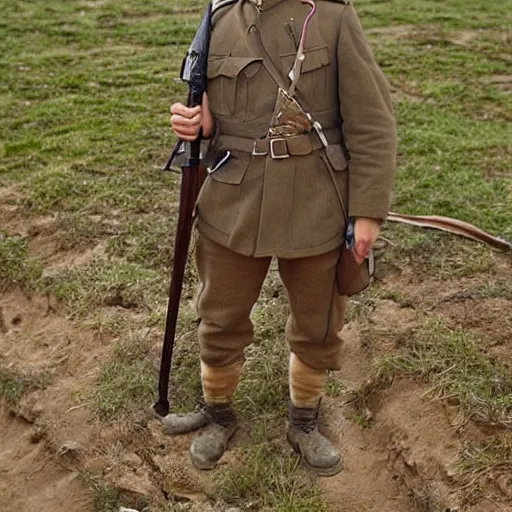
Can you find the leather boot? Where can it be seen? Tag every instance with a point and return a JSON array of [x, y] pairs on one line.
[[317, 452], [209, 446], [175, 424]]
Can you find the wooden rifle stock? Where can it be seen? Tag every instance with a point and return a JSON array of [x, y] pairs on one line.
[[192, 177]]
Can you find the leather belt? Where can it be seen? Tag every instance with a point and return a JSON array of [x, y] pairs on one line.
[[280, 147]]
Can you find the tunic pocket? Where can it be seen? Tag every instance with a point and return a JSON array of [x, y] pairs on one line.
[[227, 84], [313, 81], [218, 202]]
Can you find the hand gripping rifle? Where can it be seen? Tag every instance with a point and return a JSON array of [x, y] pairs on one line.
[[193, 72]]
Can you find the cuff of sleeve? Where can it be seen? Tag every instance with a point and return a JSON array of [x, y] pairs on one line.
[[366, 209]]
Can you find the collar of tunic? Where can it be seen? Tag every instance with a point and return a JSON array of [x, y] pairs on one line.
[[265, 5]]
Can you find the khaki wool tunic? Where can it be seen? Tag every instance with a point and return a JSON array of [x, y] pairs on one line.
[[290, 207]]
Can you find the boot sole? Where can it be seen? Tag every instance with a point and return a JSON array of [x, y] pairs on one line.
[[334, 470], [204, 466], [209, 465]]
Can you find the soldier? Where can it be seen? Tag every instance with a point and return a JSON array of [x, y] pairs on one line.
[[279, 71]]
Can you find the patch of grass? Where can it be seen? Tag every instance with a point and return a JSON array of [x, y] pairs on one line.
[[459, 370], [334, 388], [16, 266], [77, 231], [127, 383], [185, 390], [361, 418], [449, 14], [106, 498], [426, 499], [106, 283], [14, 385], [480, 462], [397, 297], [430, 253], [497, 289], [264, 386], [146, 240], [269, 480]]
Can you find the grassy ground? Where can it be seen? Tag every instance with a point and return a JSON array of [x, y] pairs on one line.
[[85, 88]]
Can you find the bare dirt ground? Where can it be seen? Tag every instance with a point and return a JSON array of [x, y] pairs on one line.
[[399, 457]]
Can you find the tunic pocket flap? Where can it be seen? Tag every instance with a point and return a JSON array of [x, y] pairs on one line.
[[231, 66], [314, 58], [233, 170], [336, 156]]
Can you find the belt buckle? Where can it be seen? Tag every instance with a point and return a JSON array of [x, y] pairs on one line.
[[255, 152], [273, 152]]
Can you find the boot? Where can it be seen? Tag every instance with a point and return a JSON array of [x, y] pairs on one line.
[[175, 424], [209, 446], [317, 452]]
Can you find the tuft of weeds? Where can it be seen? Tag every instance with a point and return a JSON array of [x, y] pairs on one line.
[[502, 289], [14, 385], [426, 499], [480, 462], [106, 498], [126, 383], [269, 479], [459, 370], [16, 267], [334, 388]]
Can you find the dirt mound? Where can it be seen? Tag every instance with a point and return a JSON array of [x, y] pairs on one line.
[[32, 478]]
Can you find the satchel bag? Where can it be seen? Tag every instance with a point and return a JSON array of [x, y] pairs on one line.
[[351, 277]]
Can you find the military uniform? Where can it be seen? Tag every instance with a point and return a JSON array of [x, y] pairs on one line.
[[282, 197]]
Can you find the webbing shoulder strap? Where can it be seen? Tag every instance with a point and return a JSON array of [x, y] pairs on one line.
[[219, 4], [256, 47]]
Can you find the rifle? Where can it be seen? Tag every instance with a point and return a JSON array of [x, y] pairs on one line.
[[193, 72]]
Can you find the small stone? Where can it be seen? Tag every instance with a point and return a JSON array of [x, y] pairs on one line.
[[36, 436], [69, 447], [123, 509], [96, 465], [132, 460]]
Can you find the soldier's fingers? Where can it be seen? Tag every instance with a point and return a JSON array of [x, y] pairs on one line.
[[186, 130], [184, 121], [362, 249], [186, 135], [182, 110], [188, 138], [359, 259]]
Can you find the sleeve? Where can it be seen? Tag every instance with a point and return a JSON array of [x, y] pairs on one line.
[[369, 123]]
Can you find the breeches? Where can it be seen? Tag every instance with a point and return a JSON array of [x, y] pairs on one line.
[[231, 284]]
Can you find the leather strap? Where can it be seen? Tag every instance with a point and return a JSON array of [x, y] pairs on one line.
[[455, 226], [296, 145], [253, 40]]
